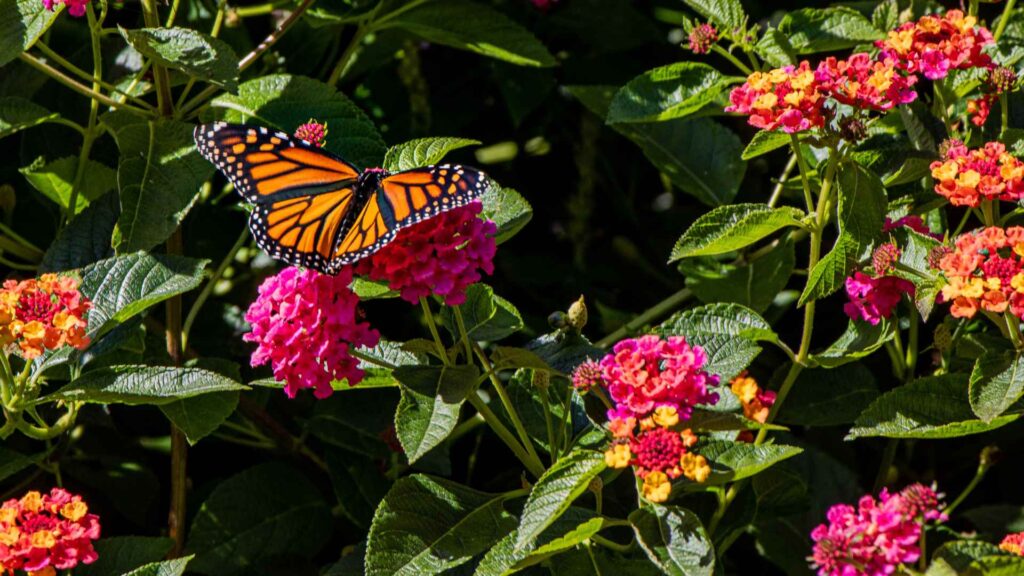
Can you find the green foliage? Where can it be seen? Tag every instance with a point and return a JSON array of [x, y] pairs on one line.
[[674, 540], [144, 385], [198, 55], [827, 29], [673, 91], [17, 114], [732, 227], [22, 22], [429, 409], [728, 333], [554, 492], [422, 152]]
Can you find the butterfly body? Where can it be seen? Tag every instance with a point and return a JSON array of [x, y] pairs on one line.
[[314, 209]]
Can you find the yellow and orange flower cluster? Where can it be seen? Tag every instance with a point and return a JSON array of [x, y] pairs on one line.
[[1013, 543], [756, 403], [934, 45], [966, 177], [787, 98], [44, 313], [985, 272]]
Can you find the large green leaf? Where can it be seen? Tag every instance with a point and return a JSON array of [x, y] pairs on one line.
[[932, 407], [667, 92], [554, 492], [700, 156], [827, 29], [475, 27], [674, 540], [195, 53], [17, 114], [860, 339], [158, 176], [564, 351], [359, 484], [997, 381], [12, 462], [822, 397], [121, 554], [753, 284], [143, 385], [732, 227], [355, 421], [22, 22], [487, 316], [507, 209], [728, 333], [862, 208], [86, 239], [285, 102], [267, 511], [571, 529], [429, 526], [54, 180], [727, 14], [765, 141], [422, 152], [201, 415], [429, 408], [174, 567], [731, 461], [774, 47]]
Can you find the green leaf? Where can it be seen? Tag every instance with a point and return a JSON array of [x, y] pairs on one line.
[[555, 491], [727, 14], [358, 482], [507, 209], [827, 29], [285, 102], [54, 180], [266, 511], [731, 461], [508, 357], [765, 141], [12, 462], [422, 152], [474, 27], [997, 381], [174, 567], [862, 208], [429, 408], [564, 351], [960, 554], [200, 416], [196, 54], [775, 48], [994, 521], [732, 227], [86, 239], [488, 317], [674, 540], [121, 554], [355, 421], [17, 114], [754, 284], [823, 397], [931, 407], [728, 333], [143, 385], [22, 22], [158, 175], [568, 531], [861, 339], [700, 156], [429, 526], [667, 92], [715, 421]]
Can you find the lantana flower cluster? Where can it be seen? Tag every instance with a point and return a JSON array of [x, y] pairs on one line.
[[43, 532], [985, 272], [967, 177], [1013, 543], [788, 98], [44, 313], [876, 536], [934, 45], [654, 384], [75, 7], [865, 83]]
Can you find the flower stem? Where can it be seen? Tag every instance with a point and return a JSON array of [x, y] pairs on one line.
[[546, 405], [666, 306], [69, 82], [979, 474], [804, 170], [346, 57], [533, 465], [193, 312], [888, 455], [464, 333], [506, 401], [94, 108], [429, 316], [1007, 10], [781, 184], [735, 61]]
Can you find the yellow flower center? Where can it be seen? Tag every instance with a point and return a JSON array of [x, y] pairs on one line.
[[617, 456], [74, 511], [656, 487], [666, 416], [695, 467], [43, 539]]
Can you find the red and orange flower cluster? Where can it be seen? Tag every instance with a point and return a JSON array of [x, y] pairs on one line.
[[41, 533], [756, 403], [934, 45], [967, 177], [788, 98], [655, 384], [865, 83], [985, 272], [1013, 543], [44, 313]]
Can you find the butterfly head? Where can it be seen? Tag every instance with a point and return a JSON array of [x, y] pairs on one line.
[[370, 178]]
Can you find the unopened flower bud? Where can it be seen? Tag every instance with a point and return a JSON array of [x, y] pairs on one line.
[[943, 337], [885, 258], [541, 379], [1001, 79], [990, 456], [852, 129], [313, 132], [577, 315], [702, 37], [557, 320]]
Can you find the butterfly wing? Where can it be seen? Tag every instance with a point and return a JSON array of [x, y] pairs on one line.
[[303, 230], [266, 165], [403, 199]]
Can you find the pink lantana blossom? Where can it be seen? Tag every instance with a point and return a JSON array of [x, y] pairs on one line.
[[75, 7], [305, 324], [441, 256], [788, 99], [872, 299], [934, 45], [47, 532], [647, 372], [865, 83]]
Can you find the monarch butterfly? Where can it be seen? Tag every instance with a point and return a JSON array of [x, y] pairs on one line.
[[316, 210]]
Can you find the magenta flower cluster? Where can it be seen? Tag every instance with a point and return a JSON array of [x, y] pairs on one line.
[[872, 299]]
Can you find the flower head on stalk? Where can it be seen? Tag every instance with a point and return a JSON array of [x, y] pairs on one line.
[[985, 272], [702, 37], [305, 324], [865, 83], [313, 133], [966, 177], [1000, 80], [934, 45], [43, 313], [41, 533], [788, 99]]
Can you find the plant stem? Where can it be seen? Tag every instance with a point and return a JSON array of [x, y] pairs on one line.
[[277, 433], [94, 108], [777, 191], [534, 467], [179, 444], [666, 306], [979, 474], [1007, 10], [612, 545], [429, 316], [465, 334], [77, 87], [546, 405], [97, 82], [1004, 118], [888, 455], [193, 312], [164, 101], [506, 401], [346, 57], [804, 178], [735, 61]]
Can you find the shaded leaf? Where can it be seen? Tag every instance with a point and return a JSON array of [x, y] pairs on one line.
[[121, 554], [429, 408], [997, 381], [174, 567], [765, 141], [54, 180], [667, 92], [823, 397], [674, 540], [754, 284], [422, 152], [507, 208], [860, 339], [17, 114], [195, 53], [86, 239], [200, 416], [22, 22]]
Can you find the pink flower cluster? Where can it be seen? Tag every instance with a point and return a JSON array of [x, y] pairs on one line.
[[788, 98], [304, 324], [934, 45], [865, 83], [702, 37], [875, 537], [442, 256], [874, 298], [913, 221], [40, 533], [75, 7], [967, 177]]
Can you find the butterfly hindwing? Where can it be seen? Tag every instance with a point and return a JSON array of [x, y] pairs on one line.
[[303, 230], [265, 165]]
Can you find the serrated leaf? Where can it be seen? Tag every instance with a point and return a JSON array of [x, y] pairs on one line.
[[195, 53], [22, 22], [1001, 565], [285, 102], [200, 416], [728, 333], [667, 92], [754, 284], [823, 397], [174, 567], [960, 554], [429, 408], [997, 381], [508, 357], [564, 351], [931, 407], [765, 141], [674, 540], [731, 461], [507, 209], [555, 491], [487, 316], [862, 207], [775, 48], [727, 14], [368, 289], [422, 152], [568, 531], [827, 29], [86, 239], [474, 27], [54, 180], [17, 114], [230, 534], [121, 554], [732, 227], [143, 385], [429, 526], [860, 339]]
